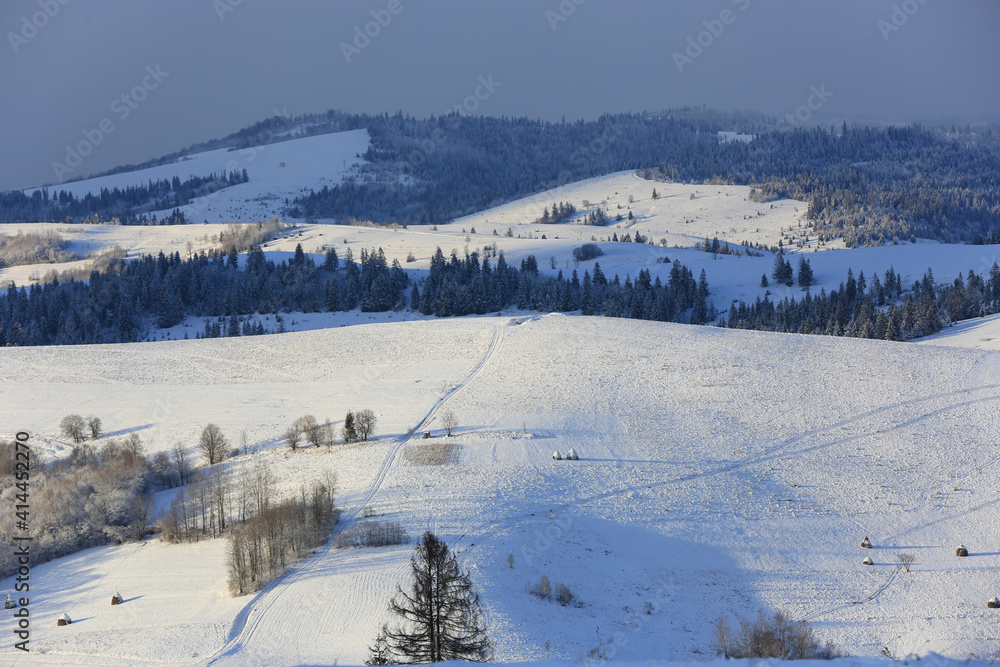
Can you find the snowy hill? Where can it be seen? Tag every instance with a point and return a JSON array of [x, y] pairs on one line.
[[277, 171], [719, 472]]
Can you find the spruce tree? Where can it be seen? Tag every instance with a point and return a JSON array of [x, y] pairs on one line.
[[440, 613], [350, 432]]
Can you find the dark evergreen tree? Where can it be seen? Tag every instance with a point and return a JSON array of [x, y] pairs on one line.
[[440, 614], [805, 273]]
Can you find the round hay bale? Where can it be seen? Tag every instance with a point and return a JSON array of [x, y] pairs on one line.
[[866, 543], [64, 620], [868, 561], [961, 551], [994, 603]]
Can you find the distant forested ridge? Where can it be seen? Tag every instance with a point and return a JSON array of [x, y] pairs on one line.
[[126, 206], [870, 185]]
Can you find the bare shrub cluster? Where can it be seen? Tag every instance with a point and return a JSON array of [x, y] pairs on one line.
[[34, 248], [544, 589], [244, 236], [773, 636], [372, 534]]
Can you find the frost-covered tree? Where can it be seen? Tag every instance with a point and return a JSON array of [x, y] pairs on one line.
[[73, 426]]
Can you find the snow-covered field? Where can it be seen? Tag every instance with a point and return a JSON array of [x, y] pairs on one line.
[[721, 471]]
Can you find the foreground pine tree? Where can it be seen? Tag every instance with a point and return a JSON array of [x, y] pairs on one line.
[[440, 613]]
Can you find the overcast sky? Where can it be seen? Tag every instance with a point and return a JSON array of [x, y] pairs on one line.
[[193, 70]]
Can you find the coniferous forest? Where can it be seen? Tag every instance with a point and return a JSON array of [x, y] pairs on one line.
[[125, 302], [128, 206]]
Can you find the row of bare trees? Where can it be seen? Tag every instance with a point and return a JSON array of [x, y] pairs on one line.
[[261, 548], [357, 426]]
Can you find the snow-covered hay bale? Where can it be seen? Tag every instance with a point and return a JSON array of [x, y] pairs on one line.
[[556, 456], [994, 603], [572, 455], [8, 603], [64, 620], [866, 543], [117, 598], [868, 561], [961, 551]]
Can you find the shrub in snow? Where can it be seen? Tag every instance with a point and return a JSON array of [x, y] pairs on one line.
[[770, 637], [866, 543], [563, 594], [961, 551], [542, 589], [372, 534]]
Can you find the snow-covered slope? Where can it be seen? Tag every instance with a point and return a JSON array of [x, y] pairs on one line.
[[279, 170], [719, 472]]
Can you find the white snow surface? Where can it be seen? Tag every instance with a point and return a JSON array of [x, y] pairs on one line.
[[279, 170], [720, 472]]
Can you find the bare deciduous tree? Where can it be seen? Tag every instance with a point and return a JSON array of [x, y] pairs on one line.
[[364, 422], [73, 426], [213, 444], [292, 434], [181, 464], [907, 560], [449, 421], [94, 424]]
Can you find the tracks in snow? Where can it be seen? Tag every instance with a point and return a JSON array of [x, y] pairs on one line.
[[248, 622]]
